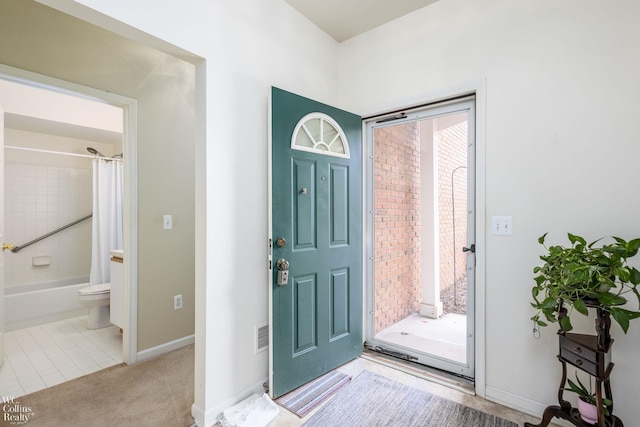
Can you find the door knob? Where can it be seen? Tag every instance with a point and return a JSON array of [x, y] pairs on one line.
[[472, 248], [282, 264]]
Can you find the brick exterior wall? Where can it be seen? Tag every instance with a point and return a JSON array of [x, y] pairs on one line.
[[452, 153], [397, 223], [397, 217]]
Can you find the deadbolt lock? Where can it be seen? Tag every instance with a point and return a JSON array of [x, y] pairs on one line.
[[283, 272]]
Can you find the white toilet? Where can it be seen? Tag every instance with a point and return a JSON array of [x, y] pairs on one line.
[[96, 298]]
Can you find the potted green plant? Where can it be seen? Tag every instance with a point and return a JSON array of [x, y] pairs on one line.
[[587, 401], [585, 275]]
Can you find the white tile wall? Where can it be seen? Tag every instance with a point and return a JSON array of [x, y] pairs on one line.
[[38, 200]]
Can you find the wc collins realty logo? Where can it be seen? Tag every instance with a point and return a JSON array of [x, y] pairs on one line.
[[14, 413]]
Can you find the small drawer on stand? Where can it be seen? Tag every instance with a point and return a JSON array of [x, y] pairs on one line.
[[580, 362], [582, 352], [581, 349]]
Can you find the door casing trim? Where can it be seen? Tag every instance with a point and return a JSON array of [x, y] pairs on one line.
[[477, 88], [268, 243]]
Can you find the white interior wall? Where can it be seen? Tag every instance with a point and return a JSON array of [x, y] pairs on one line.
[[248, 46], [262, 43], [561, 87], [561, 146]]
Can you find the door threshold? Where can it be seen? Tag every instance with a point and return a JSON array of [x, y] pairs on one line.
[[433, 375]]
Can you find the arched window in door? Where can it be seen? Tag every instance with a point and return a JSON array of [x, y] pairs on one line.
[[319, 133]]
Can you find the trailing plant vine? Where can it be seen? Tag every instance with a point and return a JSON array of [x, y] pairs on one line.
[[585, 275]]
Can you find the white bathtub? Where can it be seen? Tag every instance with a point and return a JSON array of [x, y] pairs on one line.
[[40, 303]]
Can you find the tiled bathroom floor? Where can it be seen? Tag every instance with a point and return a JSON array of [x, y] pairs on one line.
[[42, 356]]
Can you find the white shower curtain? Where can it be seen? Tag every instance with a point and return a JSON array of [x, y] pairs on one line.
[[107, 217]]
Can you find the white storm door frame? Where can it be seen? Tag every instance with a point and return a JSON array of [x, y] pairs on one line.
[[477, 88]]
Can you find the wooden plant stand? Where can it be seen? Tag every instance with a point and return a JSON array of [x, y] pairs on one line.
[[591, 354]]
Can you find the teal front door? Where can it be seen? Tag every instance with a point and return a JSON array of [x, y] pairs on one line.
[[316, 238]]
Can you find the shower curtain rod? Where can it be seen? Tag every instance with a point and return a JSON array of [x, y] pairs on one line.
[[37, 150]]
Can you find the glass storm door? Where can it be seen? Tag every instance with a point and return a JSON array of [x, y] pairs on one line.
[[315, 240], [420, 235]]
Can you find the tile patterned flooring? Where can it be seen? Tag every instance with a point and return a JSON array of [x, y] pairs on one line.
[[43, 356]]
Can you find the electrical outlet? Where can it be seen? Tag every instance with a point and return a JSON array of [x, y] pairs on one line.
[[177, 302]]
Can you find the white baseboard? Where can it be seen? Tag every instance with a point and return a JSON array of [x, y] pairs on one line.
[[519, 403], [164, 348], [199, 416], [212, 415]]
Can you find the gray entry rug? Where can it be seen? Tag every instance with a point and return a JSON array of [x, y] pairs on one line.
[[372, 400]]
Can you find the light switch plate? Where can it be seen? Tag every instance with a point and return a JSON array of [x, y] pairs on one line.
[[167, 222], [501, 225]]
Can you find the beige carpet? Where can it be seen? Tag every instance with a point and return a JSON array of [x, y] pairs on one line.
[[156, 392]]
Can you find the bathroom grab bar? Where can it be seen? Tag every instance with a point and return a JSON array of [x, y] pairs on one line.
[[16, 249]]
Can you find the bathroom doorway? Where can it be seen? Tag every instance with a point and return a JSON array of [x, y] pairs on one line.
[[48, 155]]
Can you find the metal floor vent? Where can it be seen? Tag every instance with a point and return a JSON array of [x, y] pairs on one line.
[[262, 337]]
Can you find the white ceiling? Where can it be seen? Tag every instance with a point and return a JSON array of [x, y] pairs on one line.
[[343, 19], [37, 109], [66, 130]]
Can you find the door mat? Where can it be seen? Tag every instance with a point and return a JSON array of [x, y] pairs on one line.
[[304, 399], [373, 400]]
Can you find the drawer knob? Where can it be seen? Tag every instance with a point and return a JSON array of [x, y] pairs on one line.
[[579, 362], [578, 350]]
